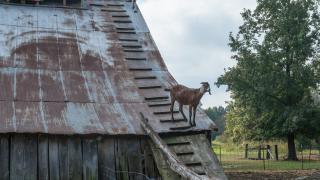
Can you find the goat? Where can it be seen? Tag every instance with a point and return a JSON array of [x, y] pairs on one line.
[[188, 96]]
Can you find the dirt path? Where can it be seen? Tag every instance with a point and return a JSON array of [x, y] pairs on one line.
[[273, 175]]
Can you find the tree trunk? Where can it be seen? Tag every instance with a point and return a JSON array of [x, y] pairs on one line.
[[292, 155]]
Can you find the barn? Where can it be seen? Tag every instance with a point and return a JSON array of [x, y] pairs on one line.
[[83, 88]]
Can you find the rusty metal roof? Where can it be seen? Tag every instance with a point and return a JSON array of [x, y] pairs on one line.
[[82, 71]]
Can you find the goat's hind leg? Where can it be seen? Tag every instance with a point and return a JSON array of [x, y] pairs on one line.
[[194, 115], [181, 110], [190, 115]]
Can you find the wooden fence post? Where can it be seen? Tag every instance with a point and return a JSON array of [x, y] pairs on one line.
[[259, 152], [301, 156], [268, 152], [246, 151], [276, 152]]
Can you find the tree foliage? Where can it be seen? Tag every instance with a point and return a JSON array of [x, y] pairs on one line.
[[277, 55], [217, 114]]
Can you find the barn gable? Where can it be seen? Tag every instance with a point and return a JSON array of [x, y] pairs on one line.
[[82, 71]]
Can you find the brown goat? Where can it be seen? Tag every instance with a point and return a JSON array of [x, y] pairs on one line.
[[188, 96]]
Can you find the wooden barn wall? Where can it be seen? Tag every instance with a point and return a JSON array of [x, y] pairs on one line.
[[50, 157]]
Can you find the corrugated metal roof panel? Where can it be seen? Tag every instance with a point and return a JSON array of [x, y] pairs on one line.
[[71, 71]]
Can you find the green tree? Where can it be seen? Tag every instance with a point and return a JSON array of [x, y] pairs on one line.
[[217, 114], [276, 50]]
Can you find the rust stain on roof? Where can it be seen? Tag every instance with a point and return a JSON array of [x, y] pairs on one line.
[[71, 71]]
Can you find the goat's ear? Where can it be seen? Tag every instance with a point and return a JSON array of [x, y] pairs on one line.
[[203, 83]]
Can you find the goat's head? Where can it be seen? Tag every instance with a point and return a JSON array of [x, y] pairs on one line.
[[206, 87]]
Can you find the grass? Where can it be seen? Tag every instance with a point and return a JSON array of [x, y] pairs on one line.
[[232, 159]]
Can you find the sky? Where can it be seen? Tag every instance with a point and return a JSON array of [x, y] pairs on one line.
[[193, 37]]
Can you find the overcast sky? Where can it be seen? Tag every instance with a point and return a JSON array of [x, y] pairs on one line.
[[193, 39]]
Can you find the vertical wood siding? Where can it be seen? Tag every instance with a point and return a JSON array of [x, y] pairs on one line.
[[43, 157]]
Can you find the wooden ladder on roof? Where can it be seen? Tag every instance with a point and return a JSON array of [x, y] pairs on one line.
[[183, 157]]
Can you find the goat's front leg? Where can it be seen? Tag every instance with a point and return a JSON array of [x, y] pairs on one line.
[[181, 110], [171, 108], [190, 115], [194, 115]]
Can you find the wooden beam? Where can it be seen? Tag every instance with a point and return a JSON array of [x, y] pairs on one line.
[[4, 157], [54, 158], [23, 157], [75, 157], [43, 157], [90, 158], [106, 154]]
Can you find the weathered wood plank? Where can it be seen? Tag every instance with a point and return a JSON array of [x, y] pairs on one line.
[[54, 158], [16, 157], [106, 158], [43, 157], [134, 159], [90, 159], [31, 157], [23, 163], [4, 157], [63, 157], [149, 164], [122, 159], [75, 158]]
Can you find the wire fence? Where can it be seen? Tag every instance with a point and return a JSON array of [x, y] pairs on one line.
[[266, 157]]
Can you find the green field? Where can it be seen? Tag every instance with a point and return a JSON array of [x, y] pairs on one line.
[[232, 159]]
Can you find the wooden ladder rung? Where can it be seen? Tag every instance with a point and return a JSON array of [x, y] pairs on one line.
[[159, 104], [185, 153], [132, 46], [122, 21], [178, 143], [156, 98], [120, 16], [113, 10], [172, 121], [136, 59], [193, 164], [128, 40], [97, 5], [125, 29], [181, 128], [133, 50], [140, 69], [115, 5], [145, 77], [164, 112], [126, 32], [201, 173], [150, 87]]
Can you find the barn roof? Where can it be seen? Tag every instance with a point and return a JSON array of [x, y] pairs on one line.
[[82, 71]]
